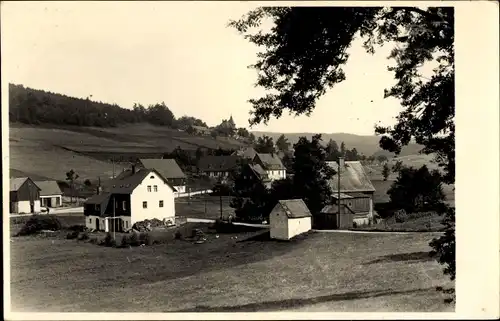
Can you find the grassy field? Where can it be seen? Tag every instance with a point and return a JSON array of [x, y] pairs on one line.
[[321, 271], [417, 222], [203, 206], [35, 149]]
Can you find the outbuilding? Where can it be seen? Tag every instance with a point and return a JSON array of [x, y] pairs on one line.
[[289, 218], [50, 193], [24, 196]]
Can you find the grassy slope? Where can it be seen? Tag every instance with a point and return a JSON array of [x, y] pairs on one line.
[[344, 272], [50, 151]]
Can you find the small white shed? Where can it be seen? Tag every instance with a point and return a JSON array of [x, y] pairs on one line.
[[289, 218]]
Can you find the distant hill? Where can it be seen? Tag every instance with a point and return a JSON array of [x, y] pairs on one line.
[[367, 145]]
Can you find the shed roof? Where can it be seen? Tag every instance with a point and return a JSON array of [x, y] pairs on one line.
[[48, 188], [223, 163], [98, 199], [16, 183], [270, 161], [353, 178], [342, 196], [167, 167], [333, 208], [295, 208]]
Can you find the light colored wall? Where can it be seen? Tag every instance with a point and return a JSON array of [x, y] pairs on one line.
[[276, 174], [140, 194], [24, 207], [53, 197], [90, 222], [278, 224], [181, 188], [298, 226]]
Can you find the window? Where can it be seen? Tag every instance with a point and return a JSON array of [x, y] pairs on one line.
[[144, 204], [124, 205], [126, 224], [155, 188], [152, 176], [90, 220], [149, 188], [161, 203]]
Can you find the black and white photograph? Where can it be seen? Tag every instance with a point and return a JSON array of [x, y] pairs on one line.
[[245, 156]]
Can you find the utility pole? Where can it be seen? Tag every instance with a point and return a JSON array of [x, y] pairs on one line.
[[114, 217], [338, 189]]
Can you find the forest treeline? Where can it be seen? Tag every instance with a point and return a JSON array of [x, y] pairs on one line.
[[33, 106]]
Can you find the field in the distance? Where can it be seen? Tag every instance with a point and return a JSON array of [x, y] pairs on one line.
[[50, 151], [321, 272]]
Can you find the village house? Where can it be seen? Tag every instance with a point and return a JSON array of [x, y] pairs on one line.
[[24, 196], [169, 169], [289, 218], [254, 173], [272, 164], [356, 197], [50, 193], [131, 197], [219, 167]]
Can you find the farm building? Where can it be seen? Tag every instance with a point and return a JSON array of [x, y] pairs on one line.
[[24, 196], [50, 193], [272, 164], [218, 166], [131, 197], [245, 152], [289, 218], [169, 169], [255, 172], [356, 197]]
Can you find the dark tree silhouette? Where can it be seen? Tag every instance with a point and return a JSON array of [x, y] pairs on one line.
[[264, 145], [282, 144], [305, 49]]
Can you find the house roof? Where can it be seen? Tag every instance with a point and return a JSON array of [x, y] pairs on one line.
[[246, 152], [126, 182], [167, 167], [16, 183], [99, 199], [48, 188], [258, 170], [353, 178], [333, 208], [270, 161], [342, 195], [213, 163], [295, 208]]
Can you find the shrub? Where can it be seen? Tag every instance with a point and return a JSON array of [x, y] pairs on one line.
[[77, 228], [400, 216], [133, 239], [109, 241], [125, 242], [72, 235], [93, 240], [145, 238], [178, 235], [38, 223], [83, 236]]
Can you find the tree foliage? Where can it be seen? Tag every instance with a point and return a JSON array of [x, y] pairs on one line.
[[386, 171], [417, 190], [265, 145], [305, 49], [282, 144]]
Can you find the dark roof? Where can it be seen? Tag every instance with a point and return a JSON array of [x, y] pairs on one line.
[[295, 208], [333, 208], [16, 183], [353, 178], [126, 182], [218, 163], [48, 188], [259, 171], [167, 167], [246, 152], [98, 199], [270, 161]]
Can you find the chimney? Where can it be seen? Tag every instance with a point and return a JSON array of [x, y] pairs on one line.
[[99, 186], [133, 168]]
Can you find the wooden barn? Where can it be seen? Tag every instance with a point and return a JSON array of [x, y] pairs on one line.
[[289, 218], [354, 194], [24, 196]]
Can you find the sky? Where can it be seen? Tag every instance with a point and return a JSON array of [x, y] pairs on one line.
[[180, 53]]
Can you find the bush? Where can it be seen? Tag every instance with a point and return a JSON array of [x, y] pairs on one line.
[[400, 216], [77, 228], [72, 235], [145, 238], [134, 239], [178, 235], [38, 223], [109, 241], [93, 240], [83, 236], [125, 242]]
